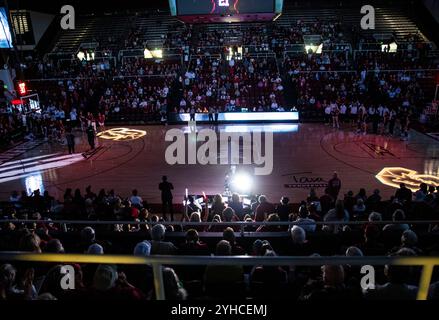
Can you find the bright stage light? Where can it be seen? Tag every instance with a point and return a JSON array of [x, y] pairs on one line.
[[314, 48], [393, 177], [157, 53], [391, 48], [149, 54], [241, 183], [81, 55], [34, 182], [121, 134]]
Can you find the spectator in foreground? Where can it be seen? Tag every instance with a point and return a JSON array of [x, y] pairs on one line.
[[220, 278], [158, 246], [397, 287]]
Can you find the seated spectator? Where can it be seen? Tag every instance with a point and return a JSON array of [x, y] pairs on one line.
[[196, 218], [396, 288], [304, 221], [136, 200], [326, 201], [371, 246], [30, 242], [271, 228], [361, 195], [237, 206], [174, 290], [8, 288], [54, 246], [217, 208], [359, 210], [403, 194], [192, 245], [409, 240], [298, 245], [332, 286], [141, 275], [109, 285], [263, 209], [158, 246], [422, 193], [218, 279], [283, 209], [268, 279], [95, 249], [229, 235], [373, 201], [398, 215], [349, 202], [338, 214], [260, 247], [228, 215]]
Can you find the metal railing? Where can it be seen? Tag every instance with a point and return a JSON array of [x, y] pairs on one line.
[[157, 262], [241, 224], [228, 223]]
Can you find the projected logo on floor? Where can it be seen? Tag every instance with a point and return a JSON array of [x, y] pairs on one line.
[[121, 134], [394, 176], [24, 168]]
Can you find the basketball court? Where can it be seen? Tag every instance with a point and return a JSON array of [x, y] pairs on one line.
[[304, 157]]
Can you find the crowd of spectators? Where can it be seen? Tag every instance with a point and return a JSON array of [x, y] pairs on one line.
[[215, 80], [317, 226]]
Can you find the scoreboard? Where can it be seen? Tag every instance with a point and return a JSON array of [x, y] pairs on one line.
[[223, 7]]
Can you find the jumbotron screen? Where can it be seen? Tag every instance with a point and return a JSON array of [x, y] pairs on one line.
[[219, 7]]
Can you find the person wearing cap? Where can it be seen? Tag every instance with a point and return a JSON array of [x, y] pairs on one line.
[[158, 246], [108, 284], [141, 275], [95, 249]]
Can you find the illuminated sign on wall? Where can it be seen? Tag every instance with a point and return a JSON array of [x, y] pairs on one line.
[[121, 134], [243, 116], [394, 176], [22, 88]]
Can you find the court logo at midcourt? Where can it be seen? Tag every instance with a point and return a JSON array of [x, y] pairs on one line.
[[210, 147]]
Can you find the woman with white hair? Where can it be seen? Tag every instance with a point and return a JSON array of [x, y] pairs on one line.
[[108, 284], [298, 245]]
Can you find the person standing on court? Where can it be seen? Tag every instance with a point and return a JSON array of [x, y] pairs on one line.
[[70, 137], [211, 111], [192, 113], [91, 136], [216, 114], [334, 186], [166, 188]]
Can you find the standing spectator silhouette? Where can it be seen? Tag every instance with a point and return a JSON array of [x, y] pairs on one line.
[[166, 188], [91, 137], [334, 186], [70, 137]]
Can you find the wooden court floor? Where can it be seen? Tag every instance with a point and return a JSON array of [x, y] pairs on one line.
[[304, 156]]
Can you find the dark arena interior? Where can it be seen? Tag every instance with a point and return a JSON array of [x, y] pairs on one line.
[[203, 151]]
